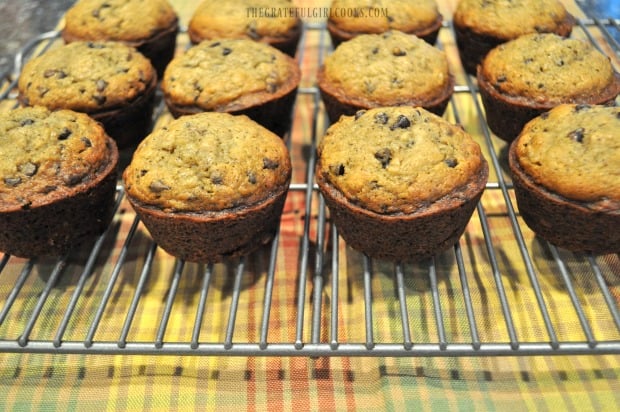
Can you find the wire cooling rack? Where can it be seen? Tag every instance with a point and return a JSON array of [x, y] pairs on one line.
[[499, 292]]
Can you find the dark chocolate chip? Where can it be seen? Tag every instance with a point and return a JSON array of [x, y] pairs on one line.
[[86, 141], [26, 122], [217, 179], [402, 122], [528, 60], [577, 135], [73, 180], [272, 87], [581, 107], [338, 169], [359, 114], [217, 43], [384, 156], [544, 115], [49, 188], [251, 31], [382, 118], [29, 169], [501, 78], [226, 51], [157, 186], [92, 45], [64, 134], [49, 73], [270, 164], [375, 50], [100, 99], [12, 181], [451, 162], [252, 178]]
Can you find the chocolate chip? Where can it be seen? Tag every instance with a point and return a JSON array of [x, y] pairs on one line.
[[217, 43], [401, 123], [528, 60], [501, 78], [26, 122], [92, 45], [217, 179], [48, 189], [581, 107], [272, 87], [382, 118], [101, 85], [64, 134], [270, 164], [157, 186], [384, 156], [42, 90], [86, 141], [226, 51], [375, 50], [577, 135], [252, 178], [12, 181], [359, 114], [100, 99], [251, 31], [544, 115], [451, 162], [49, 73], [29, 169], [398, 52], [338, 169]]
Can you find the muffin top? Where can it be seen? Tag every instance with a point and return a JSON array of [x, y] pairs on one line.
[[549, 68], [121, 20], [573, 150], [509, 19], [379, 16], [387, 69], [250, 19], [45, 155], [86, 77], [228, 75], [397, 159], [208, 162]]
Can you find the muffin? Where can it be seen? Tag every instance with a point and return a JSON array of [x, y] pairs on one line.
[[481, 25], [400, 183], [350, 18], [58, 181], [209, 186], [389, 69], [271, 22], [523, 78], [566, 173], [149, 26], [236, 76], [110, 81]]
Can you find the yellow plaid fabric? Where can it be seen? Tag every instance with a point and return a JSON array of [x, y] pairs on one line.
[[48, 381]]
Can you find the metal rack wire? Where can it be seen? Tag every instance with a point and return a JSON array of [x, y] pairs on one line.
[[322, 326]]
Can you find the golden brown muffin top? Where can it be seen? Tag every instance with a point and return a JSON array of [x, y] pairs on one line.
[[574, 151], [397, 159], [548, 68], [86, 77], [242, 19], [378, 16], [207, 162], [120, 20], [45, 155], [389, 69], [227, 74], [509, 19]]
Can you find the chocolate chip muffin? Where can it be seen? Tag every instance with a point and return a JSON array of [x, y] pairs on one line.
[[110, 81], [149, 26], [481, 25], [272, 22], [389, 69], [209, 186], [236, 76], [523, 78], [350, 18], [400, 183], [566, 173], [58, 181]]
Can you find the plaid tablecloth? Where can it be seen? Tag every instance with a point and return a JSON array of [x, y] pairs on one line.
[[42, 381]]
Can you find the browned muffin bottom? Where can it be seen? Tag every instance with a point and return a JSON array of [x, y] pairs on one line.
[[209, 186], [565, 167], [149, 26], [481, 25], [351, 18], [110, 81], [58, 181], [268, 21], [400, 183]]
